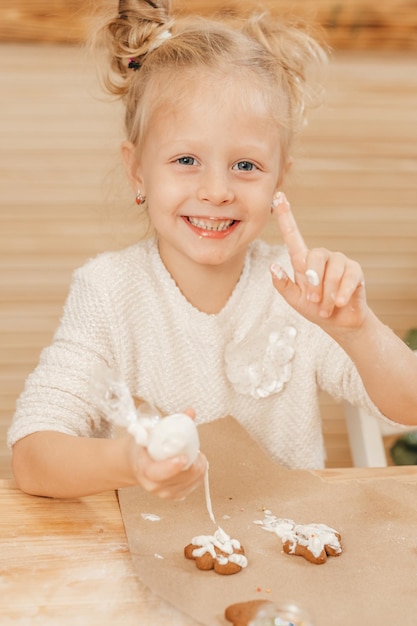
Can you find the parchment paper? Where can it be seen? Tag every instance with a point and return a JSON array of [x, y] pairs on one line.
[[373, 583]]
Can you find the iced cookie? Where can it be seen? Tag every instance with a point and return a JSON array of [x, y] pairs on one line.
[[314, 542], [219, 552]]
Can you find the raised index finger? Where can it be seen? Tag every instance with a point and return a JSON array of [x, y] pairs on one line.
[[290, 233]]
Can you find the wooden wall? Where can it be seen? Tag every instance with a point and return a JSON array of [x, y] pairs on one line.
[[348, 24], [63, 196]]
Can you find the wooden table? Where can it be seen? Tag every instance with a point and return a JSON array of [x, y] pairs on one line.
[[67, 561]]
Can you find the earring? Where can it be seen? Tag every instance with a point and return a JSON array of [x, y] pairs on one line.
[[139, 198]]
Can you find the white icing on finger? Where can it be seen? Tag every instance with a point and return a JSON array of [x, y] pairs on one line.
[[277, 199], [313, 278]]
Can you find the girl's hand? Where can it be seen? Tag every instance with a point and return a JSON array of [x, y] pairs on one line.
[[168, 478], [328, 287]]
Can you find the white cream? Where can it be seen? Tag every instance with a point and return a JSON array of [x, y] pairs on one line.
[[313, 278], [312, 536], [164, 437], [174, 435], [315, 537], [221, 541], [208, 497], [150, 517]]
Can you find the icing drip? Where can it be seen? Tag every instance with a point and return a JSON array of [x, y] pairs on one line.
[[220, 540], [208, 497]]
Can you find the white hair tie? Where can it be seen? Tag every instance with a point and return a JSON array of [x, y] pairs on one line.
[[159, 39]]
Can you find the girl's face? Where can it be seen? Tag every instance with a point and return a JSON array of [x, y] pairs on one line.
[[209, 167]]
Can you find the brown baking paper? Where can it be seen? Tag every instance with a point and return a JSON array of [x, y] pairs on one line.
[[374, 581]]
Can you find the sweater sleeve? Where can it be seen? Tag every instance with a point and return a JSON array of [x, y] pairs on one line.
[[56, 394], [338, 376]]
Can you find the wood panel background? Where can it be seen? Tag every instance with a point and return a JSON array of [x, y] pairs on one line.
[[347, 24], [64, 196]]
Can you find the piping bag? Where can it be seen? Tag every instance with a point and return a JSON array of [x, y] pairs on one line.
[[163, 437]]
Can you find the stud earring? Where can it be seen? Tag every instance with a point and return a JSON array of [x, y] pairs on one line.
[[139, 198]]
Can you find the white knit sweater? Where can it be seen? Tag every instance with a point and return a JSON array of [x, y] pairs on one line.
[[125, 309]]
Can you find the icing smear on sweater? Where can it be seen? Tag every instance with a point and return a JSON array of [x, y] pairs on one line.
[[260, 364]]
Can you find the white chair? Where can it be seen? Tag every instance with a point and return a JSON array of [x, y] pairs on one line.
[[366, 434]]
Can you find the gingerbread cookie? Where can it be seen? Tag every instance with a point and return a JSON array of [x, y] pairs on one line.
[[219, 552], [265, 612], [314, 542], [242, 613]]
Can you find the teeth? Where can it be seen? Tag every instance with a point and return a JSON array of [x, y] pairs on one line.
[[210, 224]]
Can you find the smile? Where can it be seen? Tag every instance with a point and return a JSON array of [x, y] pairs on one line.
[[211, 224]]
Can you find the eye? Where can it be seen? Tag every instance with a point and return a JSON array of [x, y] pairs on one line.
[[187, 160], [244, 166]]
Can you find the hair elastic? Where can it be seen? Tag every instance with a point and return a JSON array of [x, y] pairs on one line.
[[134, 64]]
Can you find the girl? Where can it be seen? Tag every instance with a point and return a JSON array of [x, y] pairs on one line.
[[204, 314]]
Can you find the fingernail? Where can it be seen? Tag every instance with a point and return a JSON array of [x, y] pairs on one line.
[[313, 278], [278, 198], [278, 272]]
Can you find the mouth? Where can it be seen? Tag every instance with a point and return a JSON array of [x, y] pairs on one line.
[[210, 226]]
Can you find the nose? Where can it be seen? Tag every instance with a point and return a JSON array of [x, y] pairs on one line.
[[215, 187]]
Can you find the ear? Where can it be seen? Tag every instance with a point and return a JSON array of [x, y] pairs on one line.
[[130, 159], [288, 166]]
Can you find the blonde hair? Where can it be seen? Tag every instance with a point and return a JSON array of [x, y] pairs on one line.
[[154, 55]]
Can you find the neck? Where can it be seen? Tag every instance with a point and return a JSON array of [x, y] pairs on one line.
[[206, 287]]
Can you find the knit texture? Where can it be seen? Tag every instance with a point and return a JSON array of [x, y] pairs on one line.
[[125, 309]]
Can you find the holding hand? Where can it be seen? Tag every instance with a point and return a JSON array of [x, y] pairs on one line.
[[328, 287], [169, 478], [175, 476], [161, 453]]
